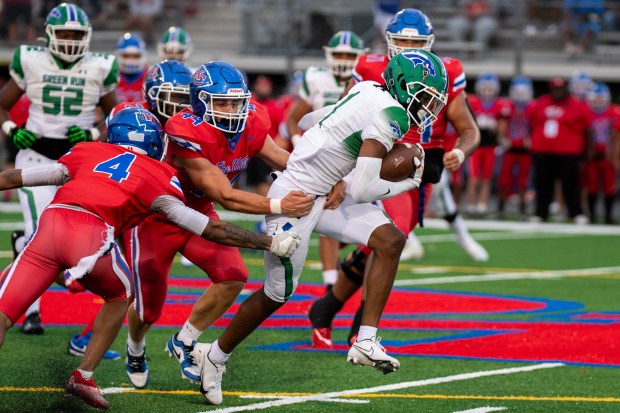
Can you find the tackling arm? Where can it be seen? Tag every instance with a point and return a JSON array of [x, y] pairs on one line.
[[42, 175], [212, 181], [298, 109], [273, 155], [459, 114]]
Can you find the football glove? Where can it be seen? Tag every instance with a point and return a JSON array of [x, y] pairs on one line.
[[75, 135], [285, 243], [419, 167], [22, 138]]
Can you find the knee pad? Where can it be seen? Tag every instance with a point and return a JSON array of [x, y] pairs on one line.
[[353, 266]]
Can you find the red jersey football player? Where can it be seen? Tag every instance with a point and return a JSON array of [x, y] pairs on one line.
[[131, 56], [599, 168], [517, 160], [409, 29], [210, 146], [487, 108], [105, 190]]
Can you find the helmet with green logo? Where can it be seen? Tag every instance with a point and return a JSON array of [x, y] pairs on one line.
[[417, 79], [342, 53], [67, 31], [175, 44]]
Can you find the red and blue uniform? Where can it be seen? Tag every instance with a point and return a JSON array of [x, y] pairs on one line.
[[518, 154], [131, 90], [600, 171], [487, 114], [156, 240], [110, 190]]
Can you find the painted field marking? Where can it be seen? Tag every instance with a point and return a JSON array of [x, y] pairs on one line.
[[483, 410], [552, 274], [389, 387]]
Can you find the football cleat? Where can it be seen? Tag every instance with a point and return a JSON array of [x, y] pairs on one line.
[[78, 343], [86, 390], [322, 338], [413, 249], [211, 377], [15, 235], [473, 248], [32, 324], [371, 353], [184, 354], [137, 369]]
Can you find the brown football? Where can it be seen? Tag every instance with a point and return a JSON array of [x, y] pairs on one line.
[[397, 164]]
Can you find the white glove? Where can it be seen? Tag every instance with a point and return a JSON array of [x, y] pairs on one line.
[[285, 243], [419, 167]]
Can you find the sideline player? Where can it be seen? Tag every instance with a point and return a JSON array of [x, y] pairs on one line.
[[210, 146], [65, 83], [106, 188], [357, 133], [130, 53], [409, 29], [175, 44]]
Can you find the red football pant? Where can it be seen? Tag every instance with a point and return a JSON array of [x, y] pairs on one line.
[[481, 162], [62, 238], [508, 180], [600, 173]]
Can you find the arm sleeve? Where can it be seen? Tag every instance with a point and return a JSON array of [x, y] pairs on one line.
[[180, 214], [367, 186], [51, 174]]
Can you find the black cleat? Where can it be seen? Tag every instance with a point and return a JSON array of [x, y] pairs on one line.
[[32, 324]]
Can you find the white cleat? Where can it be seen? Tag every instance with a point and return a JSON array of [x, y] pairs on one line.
[[413, 249], [473, 249], [211, 376], [371, 353]]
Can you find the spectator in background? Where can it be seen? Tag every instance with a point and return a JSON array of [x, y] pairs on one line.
[[560, 129], [142, 14], [476, 21], [581, 24], [17, 14]]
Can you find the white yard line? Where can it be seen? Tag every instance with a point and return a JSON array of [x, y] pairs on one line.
[[486, 409], [509, 276], [389, 387]]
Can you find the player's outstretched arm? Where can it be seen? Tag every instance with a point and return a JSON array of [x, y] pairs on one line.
[[11, 178], [42, 175], [212, 181]]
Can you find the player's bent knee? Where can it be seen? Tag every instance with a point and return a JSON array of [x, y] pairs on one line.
[[387, 238]]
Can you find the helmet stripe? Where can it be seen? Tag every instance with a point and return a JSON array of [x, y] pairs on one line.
[[71, 13], [345, 38], [174, 36]]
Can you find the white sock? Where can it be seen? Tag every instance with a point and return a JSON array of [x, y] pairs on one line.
[[86, 375], [189, 333], [216, 355], [34, 307], [459, 228], [136, 348], [366, 333], [330, 276]]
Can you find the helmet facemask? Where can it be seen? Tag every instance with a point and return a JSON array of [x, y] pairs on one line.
[[339, 64], [407, 35], [174, 51], [230, 122], [169, 99], [424, 104], [68, 50]]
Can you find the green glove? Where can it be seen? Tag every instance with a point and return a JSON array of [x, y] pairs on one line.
[[22, 138], [75, 134]]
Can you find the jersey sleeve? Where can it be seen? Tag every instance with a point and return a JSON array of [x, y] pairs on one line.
[[16, 68], [387, 126], [111, 80], [262, 123], [180, 137], [456, 76], [370, 67]]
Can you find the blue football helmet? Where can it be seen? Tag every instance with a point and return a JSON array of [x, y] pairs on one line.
[[130, 52], [598, 97], [487, 86], [139, 131], [579, 84], [215, 84], [412, 25], [521, 89], [166, 88]]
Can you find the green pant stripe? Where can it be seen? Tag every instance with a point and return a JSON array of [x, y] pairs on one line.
[[32, 206], [288, 277]]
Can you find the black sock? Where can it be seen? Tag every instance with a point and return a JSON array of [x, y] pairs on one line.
[[609, 207], [323, 310], [357, 322], [592, 198]]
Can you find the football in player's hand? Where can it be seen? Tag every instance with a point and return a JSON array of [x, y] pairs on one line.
[[398, 164]]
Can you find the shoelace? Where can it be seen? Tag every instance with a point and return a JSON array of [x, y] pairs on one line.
[[136, 362], [378, 342]]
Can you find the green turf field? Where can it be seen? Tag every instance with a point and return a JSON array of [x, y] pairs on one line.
[[575, 277]]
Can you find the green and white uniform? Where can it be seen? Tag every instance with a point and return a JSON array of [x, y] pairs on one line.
[[326, 154], [60, 97], [320, 87]]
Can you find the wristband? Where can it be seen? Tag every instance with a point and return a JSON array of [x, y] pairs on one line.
[[7, 126], [275, 205], [459, 154], [94, 133], [295, 139]]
